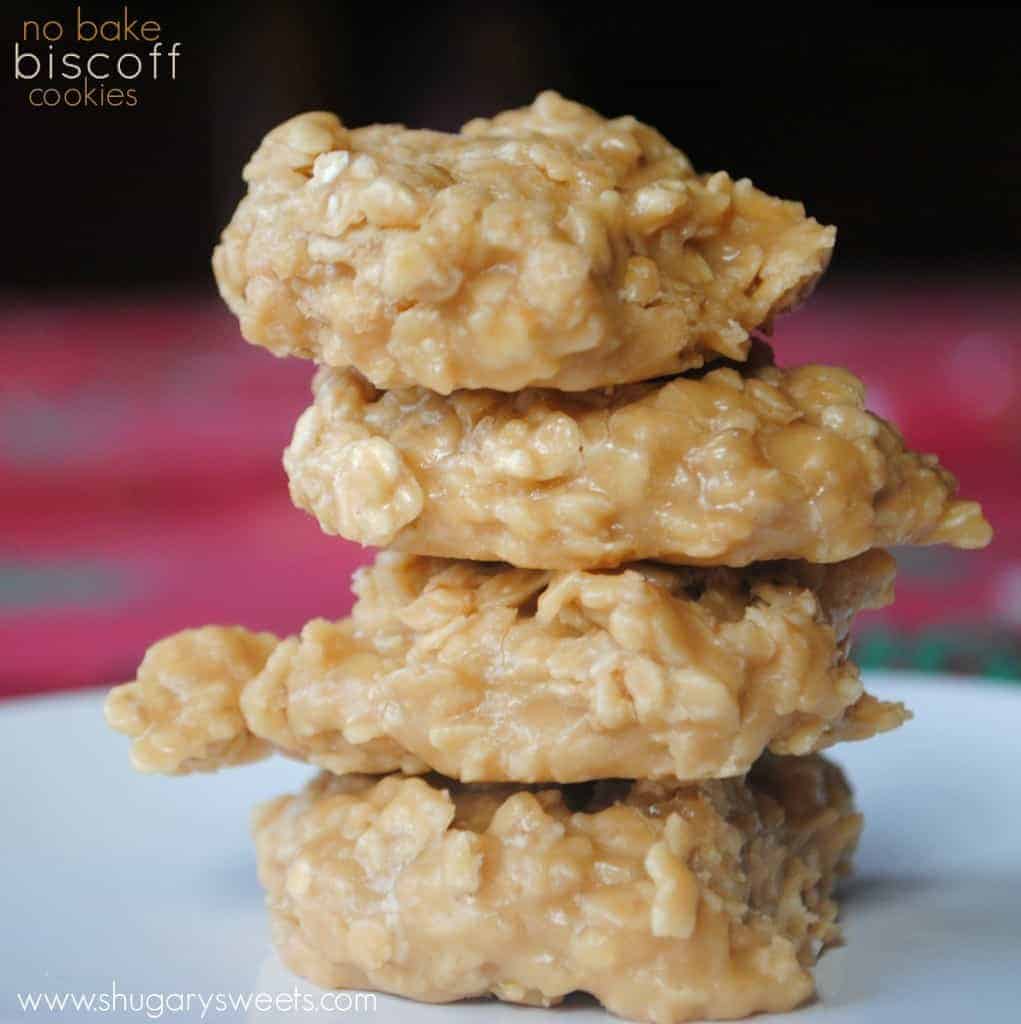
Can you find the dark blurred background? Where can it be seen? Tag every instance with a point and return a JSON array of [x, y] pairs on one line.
[[899, 125], [141, 488]]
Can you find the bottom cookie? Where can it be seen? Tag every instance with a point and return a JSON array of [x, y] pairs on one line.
[[666, 902]]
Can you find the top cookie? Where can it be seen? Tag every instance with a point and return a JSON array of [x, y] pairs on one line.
[[546, 246]]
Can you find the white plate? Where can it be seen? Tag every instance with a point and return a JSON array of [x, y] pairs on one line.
[[111, 878]]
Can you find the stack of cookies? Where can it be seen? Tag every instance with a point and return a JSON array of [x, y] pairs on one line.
[[569, 734]]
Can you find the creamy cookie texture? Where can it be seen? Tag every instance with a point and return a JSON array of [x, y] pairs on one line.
[[569, 732], [667, 901], [547, 246], [742, 464], [483, 672]]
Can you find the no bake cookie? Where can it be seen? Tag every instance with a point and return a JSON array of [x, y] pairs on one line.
[[484, 672], [744, 463], [547, 246], [666, 902]]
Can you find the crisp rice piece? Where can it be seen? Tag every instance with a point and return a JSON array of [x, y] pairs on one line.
[[744, 463], [488, 673], [667, 902], [547, 246]]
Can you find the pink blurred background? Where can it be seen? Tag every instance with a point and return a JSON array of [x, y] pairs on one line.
[[141, 489]]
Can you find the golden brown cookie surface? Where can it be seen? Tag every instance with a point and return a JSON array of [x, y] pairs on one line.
[[484, 672], [735, 466], [666, 902], [546, 246]]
